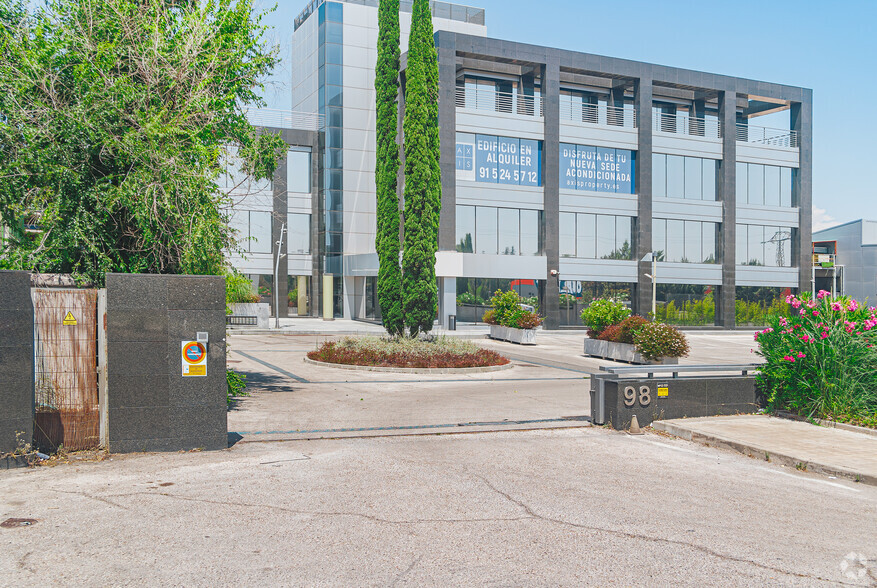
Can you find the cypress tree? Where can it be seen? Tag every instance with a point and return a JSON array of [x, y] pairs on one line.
[[422, 175], [387, 241]]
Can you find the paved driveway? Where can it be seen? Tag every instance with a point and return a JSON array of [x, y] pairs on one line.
[[546, 387]]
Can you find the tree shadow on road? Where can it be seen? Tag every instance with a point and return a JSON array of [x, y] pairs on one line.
[[260, 383]]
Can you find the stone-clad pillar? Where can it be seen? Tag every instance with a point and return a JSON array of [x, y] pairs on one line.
[[643, 91], [16, 360], [727, 193], [802, 123], [551, 189], [447, 107]]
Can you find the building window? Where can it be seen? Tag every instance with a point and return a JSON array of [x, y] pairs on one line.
[[598, 169], [764, 246], [298, 171], [764, 185], [253, 230], [684, 241], [504, 231], [298, 233], [596, 236], [499, 160], [676, 176]]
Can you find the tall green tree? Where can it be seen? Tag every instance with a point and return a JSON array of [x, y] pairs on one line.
[[387, 242], [422, 175], [115, 119]]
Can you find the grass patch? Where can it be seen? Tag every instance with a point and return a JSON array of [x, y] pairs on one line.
[[402, 352]]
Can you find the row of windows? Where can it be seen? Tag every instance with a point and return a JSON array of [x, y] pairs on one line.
[[499, 160], [681, 241], [676, 176], [298, 175], [767, 185], [600, 169], [503, 231], [596, 236], [764, 246]]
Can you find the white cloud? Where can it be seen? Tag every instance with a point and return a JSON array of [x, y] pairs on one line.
[[822, 220]]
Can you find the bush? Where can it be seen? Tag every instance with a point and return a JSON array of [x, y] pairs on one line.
[[611, 333], [629, 327], [507, 312], [238, 289], [656, 340], [440, 352], [821, 359], [602, 313]]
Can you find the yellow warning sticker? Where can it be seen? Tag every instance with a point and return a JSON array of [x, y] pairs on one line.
[[663, 391], [69, 320]]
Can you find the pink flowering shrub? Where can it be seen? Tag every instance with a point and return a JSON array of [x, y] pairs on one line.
[[820, 359]]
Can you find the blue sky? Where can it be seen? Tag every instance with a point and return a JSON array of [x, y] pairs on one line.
[[826, 46]]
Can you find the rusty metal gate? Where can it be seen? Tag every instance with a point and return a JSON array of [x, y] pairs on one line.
[[67, 410]]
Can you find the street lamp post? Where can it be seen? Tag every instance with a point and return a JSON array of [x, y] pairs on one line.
[[653, 257], [279, 244]]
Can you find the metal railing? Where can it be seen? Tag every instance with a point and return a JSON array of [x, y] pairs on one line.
[[681, 124], [490, 100], [598, 114], [286, 119], [766, 136], [673, 371]]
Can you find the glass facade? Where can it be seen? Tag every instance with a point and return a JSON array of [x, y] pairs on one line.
[[298, 233], [498, 231], [764, 245], [691, 178], [686, 304], [298, 171], [596, 236], [473, 295], [685, 241], [764, 185], [331, 102], [253, 230], [576, 295]]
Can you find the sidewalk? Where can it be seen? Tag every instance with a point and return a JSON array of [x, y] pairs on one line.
[[812, 448]]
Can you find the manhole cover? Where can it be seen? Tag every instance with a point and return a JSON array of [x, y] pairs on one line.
[[13, 523]]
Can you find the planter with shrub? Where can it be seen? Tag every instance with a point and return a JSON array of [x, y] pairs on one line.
[[509, 321], [615, 334], [241, 300], [407, 353]]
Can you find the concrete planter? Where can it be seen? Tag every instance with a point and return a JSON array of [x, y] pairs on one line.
[[261, 311], [521, 336], [622, 352]]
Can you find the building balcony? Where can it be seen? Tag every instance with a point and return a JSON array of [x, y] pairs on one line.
[[598, 114], [767, 136], [684, 125], [502, 102], [285, 119]]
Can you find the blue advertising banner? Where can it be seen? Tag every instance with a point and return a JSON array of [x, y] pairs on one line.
[[568, 166], [508, 160], [505, 160], [531, 162], [598, 169], [586, 168]]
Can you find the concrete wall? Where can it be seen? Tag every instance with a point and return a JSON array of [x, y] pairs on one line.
[[151, 406], [16, 359]]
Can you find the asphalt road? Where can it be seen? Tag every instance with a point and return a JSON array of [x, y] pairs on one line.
[[582, 506]]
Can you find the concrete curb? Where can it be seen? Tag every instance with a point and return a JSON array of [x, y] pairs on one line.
[[829, 424], [765, 454], [287, 333], [368, 368]]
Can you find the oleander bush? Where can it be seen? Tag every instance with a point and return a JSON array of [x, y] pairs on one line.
[[657, 340], [623, 332], [404, 352], [821, 360], [602, 313]]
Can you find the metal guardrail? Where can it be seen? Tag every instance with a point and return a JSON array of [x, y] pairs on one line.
[[598, 114], [493, 101], [767, 136], [743, 368], [680, 124], [286, 119]]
